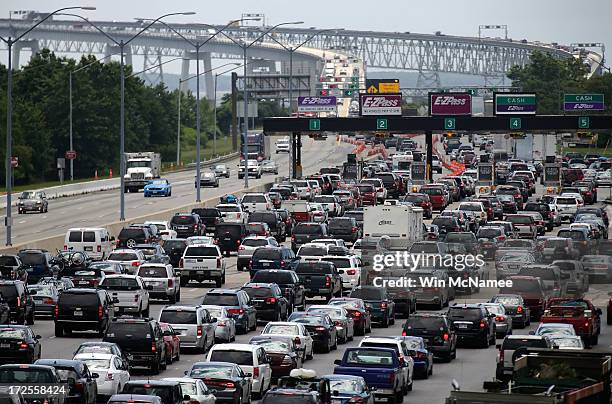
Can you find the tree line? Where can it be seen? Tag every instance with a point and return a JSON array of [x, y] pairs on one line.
[[41, 117]]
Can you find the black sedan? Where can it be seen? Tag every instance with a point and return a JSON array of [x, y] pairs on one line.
[[230, 383], [18, 344], [85, 388], [283, 352], [321, 327]]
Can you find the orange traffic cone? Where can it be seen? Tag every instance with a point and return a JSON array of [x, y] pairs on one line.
[[110, 172]]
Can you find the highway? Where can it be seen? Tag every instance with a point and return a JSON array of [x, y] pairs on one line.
[[101, 208]]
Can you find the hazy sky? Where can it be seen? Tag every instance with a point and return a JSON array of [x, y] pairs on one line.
[[562, 21]]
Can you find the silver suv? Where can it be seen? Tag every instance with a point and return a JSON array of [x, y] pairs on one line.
[[161, 281], [194, 323]]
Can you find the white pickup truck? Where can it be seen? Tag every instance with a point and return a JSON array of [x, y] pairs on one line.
[[202, 263], [130, 293]]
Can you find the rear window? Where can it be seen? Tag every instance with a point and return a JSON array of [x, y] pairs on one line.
[[183, 220], [24, 375], [201, 251], [573, 234], [123, 257], [367, 294], [341, 223], [152, 272], [431, 191], [271, 277], [515, 343], [566, 201], [78, 299], [179, 317], [313, 268], [220, 299], [520, 219], [267, 254], [206, 212], [464, 314], [262, 217], [507, 300], [255, 242], [431, 323], [120, 329], [32, 258], [254, 199], [120, 284], [75, 236], [381, 345], [238, 357], [460, 238], [228, 209], [363, 188], [13, 333], [358, 216], [306, 228], [131, 233], [163, 392], [89, 237], [312, 251], [255, 292], [522, 285], [7, 260], [339, 262], [174, 245]]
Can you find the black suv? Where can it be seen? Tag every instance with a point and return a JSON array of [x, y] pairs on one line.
[[210, 217], [320, 278], [437, 332], [344, 228], [473, 322], [16, 295], [273, 219], [169, 392], [187, 225], [305, 232], [544, 210], [142, 339], [268, 301], [288, 282], [83, 309], [378, 301], [175, 248], [38, 263], [130, 236]]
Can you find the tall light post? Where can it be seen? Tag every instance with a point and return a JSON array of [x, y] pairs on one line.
[[291, 50], [197, 45], [180, 94], [245, 47], [122, 44], [9, 114], [215, 106]]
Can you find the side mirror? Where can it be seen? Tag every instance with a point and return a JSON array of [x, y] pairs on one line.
[[112, 238], [598, 311], [248, 375], [186, 397], [185, 372], [531, 332], [498, 346], [212, 391], [115, 300], [337, 362], [168, 333], [335, 393], [213, 320], [39, 337], [95, 375]]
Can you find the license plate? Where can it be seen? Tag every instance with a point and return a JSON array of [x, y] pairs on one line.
[[462, 326], [200, 272], [83, 282], [88, 248], [182, 227], [336, 401], [78, 314], [5, 345], [265, 264]]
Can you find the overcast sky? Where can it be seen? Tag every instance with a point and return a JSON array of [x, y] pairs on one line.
[[562, 21]]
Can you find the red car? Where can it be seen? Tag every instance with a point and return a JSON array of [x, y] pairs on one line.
[[437, 196], [368, 194], [421, 200], [172, 341]]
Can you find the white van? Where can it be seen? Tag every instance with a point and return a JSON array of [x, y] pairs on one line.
[[95, 241]]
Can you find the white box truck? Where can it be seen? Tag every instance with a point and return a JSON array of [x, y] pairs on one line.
[[141, 168], [402, 224]]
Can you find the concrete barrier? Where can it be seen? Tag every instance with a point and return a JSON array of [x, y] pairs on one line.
[[57, 242], [81, 188]]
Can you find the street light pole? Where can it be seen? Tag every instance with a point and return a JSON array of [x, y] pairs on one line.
[[178, 130], [9, 117], [70, 101]]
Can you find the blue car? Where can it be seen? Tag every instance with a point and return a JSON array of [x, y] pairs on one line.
[[422, 357], [160, 186], [349, 389]]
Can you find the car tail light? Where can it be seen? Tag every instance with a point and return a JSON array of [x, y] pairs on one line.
[[293, 238], [404, 333], [327, 281], [100, 312], [181, 263], [356, 314], [241, 248], [270, 300], [297, 341], [23, 345], [57, 309], [501, 355], [383, 305], [392, 378], [250, 264], [482, 324], [238, 215], [48, 301], [445, 336], [354, 230], [199, 331], [109, 376], [235, 311], [170, 283], [351, 272], [135, 264], [218, 262], [519, 309], [99, 248], [255, 372], [501, 238], [282, 264], [221, 323], [153, 347], [65, 247], [135, 298], [80, 387], [500, 318]]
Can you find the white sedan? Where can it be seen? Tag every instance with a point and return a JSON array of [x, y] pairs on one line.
[[297, 331], [111, 369]]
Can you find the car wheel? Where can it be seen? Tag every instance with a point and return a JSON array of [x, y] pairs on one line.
[[155, 367], [178, 354], [184, 281], [59, 331], [30, 318], [218, 282], [484, 343], [145, 313], [172, 298], [385, 322]]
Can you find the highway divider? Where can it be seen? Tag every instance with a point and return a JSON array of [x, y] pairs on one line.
[[81, 188]]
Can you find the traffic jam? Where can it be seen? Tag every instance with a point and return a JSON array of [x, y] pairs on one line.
[[346, 286]]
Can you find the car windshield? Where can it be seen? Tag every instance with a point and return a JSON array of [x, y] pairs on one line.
[[219, 299], [211, 372], [123, 257], [120, 284], [281, 329], [242, 358], [346, 386]]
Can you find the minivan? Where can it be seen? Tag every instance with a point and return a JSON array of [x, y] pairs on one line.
[[95, 241]]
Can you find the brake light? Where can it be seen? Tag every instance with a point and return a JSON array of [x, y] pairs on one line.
[[383, 305], [519, 309], [170, 283], [293, 238], [404, 333], [65, 247], [57, 310], [282, 264], [99, 248], [135, 264], [482, 324], [241, 248], [356, 314], [109, 376], [250, 264], [235, 311], [153, 347], [327, 281], [354, 230], [23, 345], [100, 312], [218, 262], [181, 263], [48, 301], [271, 300], [500, 318], [18, 301], [351, 272], [445, 336], [199, 331], [501, 355]]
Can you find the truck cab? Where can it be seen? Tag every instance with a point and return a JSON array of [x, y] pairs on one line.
[[141, 168]]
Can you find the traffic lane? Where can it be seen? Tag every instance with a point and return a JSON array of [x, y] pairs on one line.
[[99, 209]]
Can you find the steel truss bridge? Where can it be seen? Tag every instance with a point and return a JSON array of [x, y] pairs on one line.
[[429, 55]]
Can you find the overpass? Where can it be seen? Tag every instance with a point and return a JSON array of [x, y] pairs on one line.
[[427, 54]]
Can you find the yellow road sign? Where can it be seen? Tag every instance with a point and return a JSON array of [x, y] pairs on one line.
[[389, 87], [372, 90]]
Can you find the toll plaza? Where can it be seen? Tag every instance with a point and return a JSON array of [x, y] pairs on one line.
[[428, 125]]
